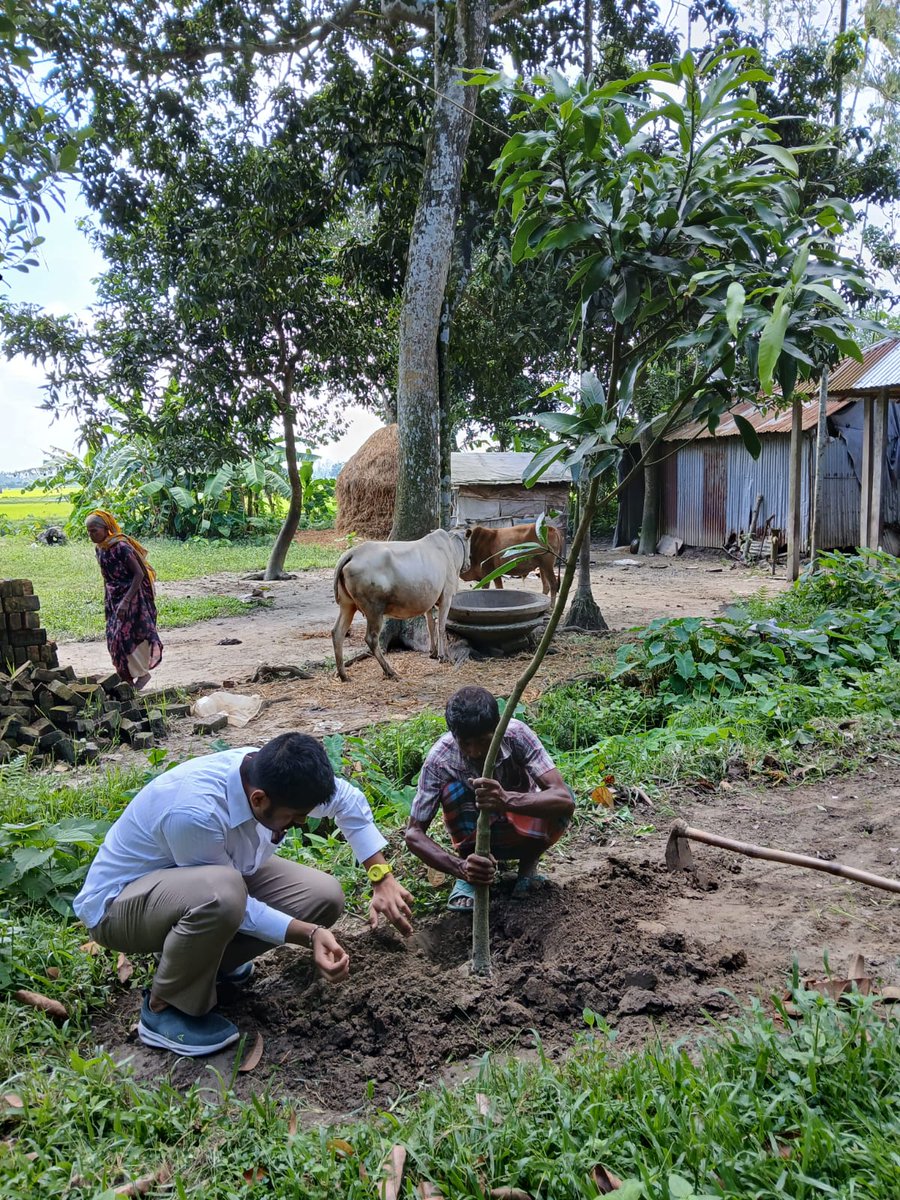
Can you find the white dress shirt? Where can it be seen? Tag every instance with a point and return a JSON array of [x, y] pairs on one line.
[[197, 814]]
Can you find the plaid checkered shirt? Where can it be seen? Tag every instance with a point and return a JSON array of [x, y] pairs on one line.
[[522, 761]]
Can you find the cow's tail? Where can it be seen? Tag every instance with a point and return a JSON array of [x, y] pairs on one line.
[[339, 574]]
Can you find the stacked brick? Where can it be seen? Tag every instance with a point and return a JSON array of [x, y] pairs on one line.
[[22, 639], [46, 711]]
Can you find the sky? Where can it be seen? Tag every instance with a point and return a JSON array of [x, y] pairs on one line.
[[63, 283]]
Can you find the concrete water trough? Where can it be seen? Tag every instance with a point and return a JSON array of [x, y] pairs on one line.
[[497, 618]]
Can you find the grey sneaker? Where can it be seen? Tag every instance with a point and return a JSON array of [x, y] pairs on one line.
[[189, 1036], [241, 974]]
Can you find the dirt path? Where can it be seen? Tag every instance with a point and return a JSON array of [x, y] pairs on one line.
[[296, 627], [652, 953]]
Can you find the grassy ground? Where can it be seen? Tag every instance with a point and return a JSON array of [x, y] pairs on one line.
[[800, 1110], [803, 1109], [68, 582]]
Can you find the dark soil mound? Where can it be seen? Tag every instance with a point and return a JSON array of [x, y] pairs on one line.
[[411, 1008]]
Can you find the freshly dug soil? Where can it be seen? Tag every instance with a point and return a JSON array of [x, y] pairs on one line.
[[411, 1008], [611, 932]]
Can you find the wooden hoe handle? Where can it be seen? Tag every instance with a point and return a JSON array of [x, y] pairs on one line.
[[681, 830]]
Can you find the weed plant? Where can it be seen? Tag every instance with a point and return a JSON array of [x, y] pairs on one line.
[[800, 1110]]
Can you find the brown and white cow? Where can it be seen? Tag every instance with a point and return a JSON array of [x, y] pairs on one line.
[[398, 579], [487, 553]]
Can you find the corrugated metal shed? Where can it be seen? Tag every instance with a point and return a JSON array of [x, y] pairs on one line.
[[762, 420], [499, 467], [879, 369]]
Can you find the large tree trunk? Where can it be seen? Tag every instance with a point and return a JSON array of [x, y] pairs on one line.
[[584, 613], [443, 357], [275, 566], [652, 484], [417, 509]]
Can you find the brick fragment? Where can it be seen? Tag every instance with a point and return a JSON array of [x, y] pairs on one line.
[[206, 725]]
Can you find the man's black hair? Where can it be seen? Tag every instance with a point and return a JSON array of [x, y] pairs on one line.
[[294, 771], [472, 711]]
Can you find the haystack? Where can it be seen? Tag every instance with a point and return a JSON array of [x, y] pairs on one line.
[[367, 487]]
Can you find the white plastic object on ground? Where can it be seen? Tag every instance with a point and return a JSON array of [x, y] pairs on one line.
[[239, 710]]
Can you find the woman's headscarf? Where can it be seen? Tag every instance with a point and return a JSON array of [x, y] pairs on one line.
[[114, 534]]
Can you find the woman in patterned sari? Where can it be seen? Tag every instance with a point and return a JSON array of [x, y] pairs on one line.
[[131, 636]]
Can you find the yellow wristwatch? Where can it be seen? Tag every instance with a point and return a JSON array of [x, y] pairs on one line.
[[378, 871]]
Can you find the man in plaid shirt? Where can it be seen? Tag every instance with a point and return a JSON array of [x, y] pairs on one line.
[[529, 803]]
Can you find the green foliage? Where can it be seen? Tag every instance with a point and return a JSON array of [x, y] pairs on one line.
[[670, 203], [126, 477], [822, 1084], [852, 611], [38, 147], [319, 504], [47, 863]]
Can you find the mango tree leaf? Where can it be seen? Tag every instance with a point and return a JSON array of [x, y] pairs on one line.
[[541, 461], [627, 297], [734, 306], [786, 371], [749, 436], [771, 341], [783, 157]]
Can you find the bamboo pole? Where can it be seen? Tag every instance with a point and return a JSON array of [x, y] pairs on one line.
[[795, 485]]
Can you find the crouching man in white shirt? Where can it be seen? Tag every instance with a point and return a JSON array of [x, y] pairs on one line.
[[189, 872]]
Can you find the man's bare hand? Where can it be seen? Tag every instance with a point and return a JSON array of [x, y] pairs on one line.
[[331, 959], [489, 795], [479, 868], [393, 900]]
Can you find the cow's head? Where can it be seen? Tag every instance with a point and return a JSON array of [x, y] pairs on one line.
[[464, 537]]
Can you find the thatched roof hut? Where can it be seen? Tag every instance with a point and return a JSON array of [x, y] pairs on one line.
[[366, 487], [487, 489]]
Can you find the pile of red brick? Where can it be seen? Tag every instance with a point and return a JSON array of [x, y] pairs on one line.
[[46, 711], [22, 639]]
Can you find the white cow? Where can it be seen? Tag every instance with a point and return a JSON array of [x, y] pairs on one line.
[[398, 579]]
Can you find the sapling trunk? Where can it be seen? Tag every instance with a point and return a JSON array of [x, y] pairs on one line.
[[481, 929]]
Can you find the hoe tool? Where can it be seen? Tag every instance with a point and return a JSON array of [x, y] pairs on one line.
[[680, 858]]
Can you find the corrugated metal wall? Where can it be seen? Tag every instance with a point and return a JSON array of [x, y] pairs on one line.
[[710, 489], [840, 518]]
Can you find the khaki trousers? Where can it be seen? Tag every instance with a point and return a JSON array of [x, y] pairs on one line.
[[190, 916]]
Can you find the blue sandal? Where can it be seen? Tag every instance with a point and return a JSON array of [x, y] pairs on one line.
[[526, 884], [462, 892]]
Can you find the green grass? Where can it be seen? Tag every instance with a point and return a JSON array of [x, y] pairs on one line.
[[68, 581], [799, 1110]]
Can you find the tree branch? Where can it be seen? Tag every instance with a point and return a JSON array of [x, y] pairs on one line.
[[311, 33]]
